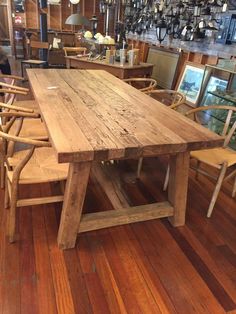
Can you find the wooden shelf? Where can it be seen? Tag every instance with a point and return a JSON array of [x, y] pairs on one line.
[[57, 15], [31, 14]]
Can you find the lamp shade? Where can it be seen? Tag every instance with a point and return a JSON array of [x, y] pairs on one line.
[[74, 1], [77, 19]]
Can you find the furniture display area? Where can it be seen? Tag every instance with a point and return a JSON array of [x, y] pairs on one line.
[[56, 55], [36, 62], [107, 237], [122, 72], [106, 133]]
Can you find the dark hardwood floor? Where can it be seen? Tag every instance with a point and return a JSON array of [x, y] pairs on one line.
[[147, 267]]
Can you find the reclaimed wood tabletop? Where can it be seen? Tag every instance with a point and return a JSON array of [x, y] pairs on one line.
[[92, 116], [109, 118]]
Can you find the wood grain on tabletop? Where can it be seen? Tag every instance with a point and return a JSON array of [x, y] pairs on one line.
[[109, 118]]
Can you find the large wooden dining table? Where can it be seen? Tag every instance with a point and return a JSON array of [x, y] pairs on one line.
[[92, 116]]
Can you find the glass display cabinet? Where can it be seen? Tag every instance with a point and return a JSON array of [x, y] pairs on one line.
[[218, 88]]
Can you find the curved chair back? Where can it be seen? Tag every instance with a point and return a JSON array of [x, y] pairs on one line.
[[171, 98], [11, 91], [144, 84], [204, 115]]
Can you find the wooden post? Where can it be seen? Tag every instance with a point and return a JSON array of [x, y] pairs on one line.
[[178, 186], [10, 24], [76, 187]]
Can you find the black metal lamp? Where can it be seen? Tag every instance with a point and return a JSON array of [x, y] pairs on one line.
[[94, 24], [173, 27], [161, 30], [102, 7]]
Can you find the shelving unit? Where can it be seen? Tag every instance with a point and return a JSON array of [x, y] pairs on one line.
[[57, 15], [218, 87], [4, 29], [221, 73]]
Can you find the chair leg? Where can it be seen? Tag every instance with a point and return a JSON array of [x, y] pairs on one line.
[[12, 213], [197, 167], [2, 170], [166, 178], [22, 69], [62, 186], [234, 188], [140, 163], [6, 195], [217, 189]]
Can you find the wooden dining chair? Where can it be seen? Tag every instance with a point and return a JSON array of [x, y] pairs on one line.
[[223, 159], [74, 51], [9, 82], [34, 60], [12, 91], [144, 84], [11, 78], [172, 98], [33, 164], [32, 128]]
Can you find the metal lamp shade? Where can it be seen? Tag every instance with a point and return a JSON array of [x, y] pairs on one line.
[[77, 19]]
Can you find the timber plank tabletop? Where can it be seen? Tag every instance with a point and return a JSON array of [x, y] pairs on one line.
[[92, 115]]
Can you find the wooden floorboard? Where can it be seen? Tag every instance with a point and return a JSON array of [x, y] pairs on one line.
[[146, 267]]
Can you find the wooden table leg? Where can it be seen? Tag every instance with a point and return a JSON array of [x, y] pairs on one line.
[[178, 186], [75, 192], [68, 66]]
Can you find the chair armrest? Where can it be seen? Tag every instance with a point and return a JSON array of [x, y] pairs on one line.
[[14, 77], [14, 87], [16, 108], [25, 140], [19, 115], [12, 91]]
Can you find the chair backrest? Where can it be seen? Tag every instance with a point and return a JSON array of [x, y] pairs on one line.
[[9, 140], [37, 46], [10, 118], [7, 119], [169, 97], [7, 96], [144, 84], [11, 91], [74, 51], [213, 116]]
